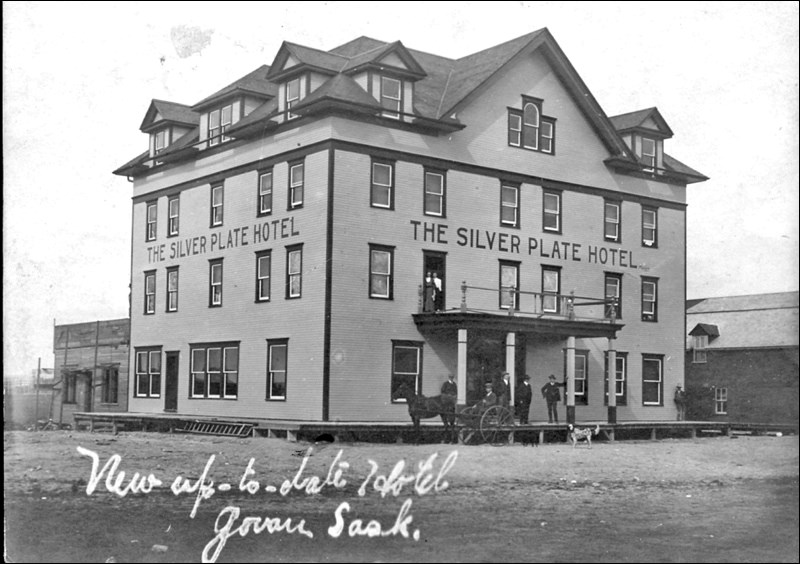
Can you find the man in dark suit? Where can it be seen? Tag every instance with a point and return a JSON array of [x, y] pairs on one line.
[[552, 394], [450, 388], [502, 389], [523, 399]]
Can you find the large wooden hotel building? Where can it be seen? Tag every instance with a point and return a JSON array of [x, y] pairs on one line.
[[284, 228]]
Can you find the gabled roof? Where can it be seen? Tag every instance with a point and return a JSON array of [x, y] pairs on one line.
[[341, 88], [374, 57], [649, 119], [759, 320], [306, 57], [705, 329], [357, 46], [254, 83], [172, 112], [243, 127]]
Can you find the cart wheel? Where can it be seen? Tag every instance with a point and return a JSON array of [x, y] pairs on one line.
[[496, 424]]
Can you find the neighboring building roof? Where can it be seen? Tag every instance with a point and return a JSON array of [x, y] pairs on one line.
[[705, 329], [254, 83], [758, 320]]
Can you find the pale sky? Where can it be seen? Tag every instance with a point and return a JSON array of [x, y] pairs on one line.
[[78, 78]]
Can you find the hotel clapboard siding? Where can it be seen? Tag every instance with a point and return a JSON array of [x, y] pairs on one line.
[[340, 131]]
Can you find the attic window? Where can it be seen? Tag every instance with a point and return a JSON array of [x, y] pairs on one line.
[[700, 346], [159, 141], [218, 123], [529, 129], [649, 154], [391, 96], [292, 96]]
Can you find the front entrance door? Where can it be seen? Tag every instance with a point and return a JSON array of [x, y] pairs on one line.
[[171, 383], [433, 291]]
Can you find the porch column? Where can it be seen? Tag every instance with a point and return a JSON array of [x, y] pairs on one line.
[[570, 380], [511, 363], [612, 382], [461, 377]]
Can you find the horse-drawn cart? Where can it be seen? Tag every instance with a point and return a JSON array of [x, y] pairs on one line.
[[492, 425]]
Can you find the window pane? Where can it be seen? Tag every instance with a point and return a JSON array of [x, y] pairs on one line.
[[214, 384], [550, 281], [390, 87], [264, 266], [297, 175], [612, 212], [295, 258], [231, 359], [380, 285], [277, 357], [508, 276], [216, 273], [405, 360], [213, 119], [380, 262], [531, 115], [199, 384], [509, 195], [232, 384], [293, 89], [198, 360], [382, 174], [155, 362], [227, 111], [214, 360], [141, 363], [551, 203], [216, 195], [278, 385]]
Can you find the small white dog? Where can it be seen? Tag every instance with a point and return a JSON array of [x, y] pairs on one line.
[[583, 434]]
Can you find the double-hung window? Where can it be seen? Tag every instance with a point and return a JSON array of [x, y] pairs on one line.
[[551, 211], [509, 205], [649, 154], [296, 185], [277, 368], [381, 278], [263, 275], [172, 289], [150, 292], [581, 375], [652, 379], [382, 185], [294, 271], [152, 219], [215, 283], [649, 227], [406, 368], [148, 372], [434, 203], [509, 285], [613, 295], [215, 370], [700, 349], [173, 215], [391, 97], [720, 401], [218, 123], [551, 288], [620, 378], [265, 193], [217, 205], [612, 222], [649, 299], [292, 96], [160, 141]]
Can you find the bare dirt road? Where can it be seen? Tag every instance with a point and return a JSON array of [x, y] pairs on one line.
[[705, 500]]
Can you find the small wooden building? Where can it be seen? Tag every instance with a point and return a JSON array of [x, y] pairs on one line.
[[742, 358], [91, 367]]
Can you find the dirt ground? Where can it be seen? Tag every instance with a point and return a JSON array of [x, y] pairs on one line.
[[715, 499]]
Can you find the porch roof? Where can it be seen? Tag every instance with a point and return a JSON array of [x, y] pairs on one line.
[[518, 323]]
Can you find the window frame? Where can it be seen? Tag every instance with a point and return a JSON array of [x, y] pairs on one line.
[[151, 221], [290, 102], [148, 376], [375, 186], [173, 219], [607, 276], [376, 248], [171, 305], [271, 344], [215, 138], [263, 195], [557, 194], [557, 270], [295, 186], [290, 249], [528, 128], [517, 223], [581, 398], [617, 237], [149, 292], [394, 384], [442, 197], [109, 393], [619, 382], [260, 278], [223, 375], [502, 289], [514, 132], [650, 316], [212, 265], [648, 157], [699, 349], [648, 383], [388, 111], [654, 228], [217, 210], [720, 401]]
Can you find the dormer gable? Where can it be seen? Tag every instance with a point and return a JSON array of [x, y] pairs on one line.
[[392, 58], [644, 132], [166, 122], [293, 59]]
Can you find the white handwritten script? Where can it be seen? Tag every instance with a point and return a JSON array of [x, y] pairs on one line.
[[425, 478]]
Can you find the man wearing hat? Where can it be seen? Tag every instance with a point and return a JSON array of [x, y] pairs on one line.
[[490, 398], [502, 388], [680, 402], [552, 394], [523, 399]]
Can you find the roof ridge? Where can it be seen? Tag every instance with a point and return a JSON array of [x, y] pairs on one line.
[[314, 49]]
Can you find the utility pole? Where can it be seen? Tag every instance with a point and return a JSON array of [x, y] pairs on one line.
[[36, 411]]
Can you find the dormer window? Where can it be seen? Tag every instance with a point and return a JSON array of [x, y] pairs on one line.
[[218, 123], [529, 129], [159, 141], [649, 154], [292, 96], [391, 97]]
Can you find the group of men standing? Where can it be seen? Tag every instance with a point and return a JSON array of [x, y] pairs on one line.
[[499, 393]]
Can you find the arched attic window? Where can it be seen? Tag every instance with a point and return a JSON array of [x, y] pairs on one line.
[[530, 126]]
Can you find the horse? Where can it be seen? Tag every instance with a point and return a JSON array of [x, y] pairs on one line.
[[421, 407]]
